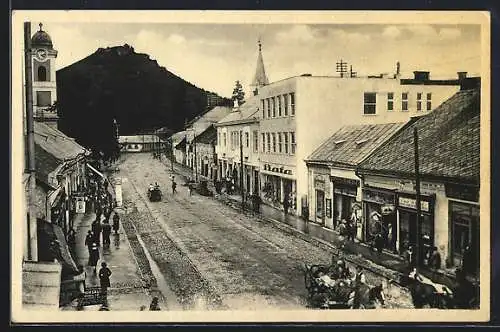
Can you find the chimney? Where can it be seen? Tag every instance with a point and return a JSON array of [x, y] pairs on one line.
[[462, 75], [421, 75], [235, 104]]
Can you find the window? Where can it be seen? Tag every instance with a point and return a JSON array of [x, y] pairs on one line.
[[247, 139], [390, 101], [218, 139], [42, 74], [292, 104], [419, 101], [465, 230], [224, 138], [280, 143], [429, 101], [268, 137], [273, 102], [255, 141], [263, 105], [43, 98], [274, 142], [279, 105], [286, 142], [370, 100], [404, 101], [292, 143], [268, 108], [263, 138], [285, 99]]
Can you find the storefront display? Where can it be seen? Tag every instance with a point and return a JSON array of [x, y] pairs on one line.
[[375, 221], [344, 196], [464, 219]]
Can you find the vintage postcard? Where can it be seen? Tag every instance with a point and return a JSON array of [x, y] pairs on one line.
[[222, 166]]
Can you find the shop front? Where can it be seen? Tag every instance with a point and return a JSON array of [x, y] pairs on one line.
[[378, 217], [278, 185], [344, 198], [320, 213], [411, 234]]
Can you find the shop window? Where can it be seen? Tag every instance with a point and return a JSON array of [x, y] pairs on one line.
[[464, 231], [320, 204], [370, 103]]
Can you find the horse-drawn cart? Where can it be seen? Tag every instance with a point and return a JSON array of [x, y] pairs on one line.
[[154, 194]]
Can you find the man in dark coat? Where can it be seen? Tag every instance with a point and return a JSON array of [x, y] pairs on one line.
[[104, 274], [106, 232], [116, 223], [96, 230], [94, 256], [89, 239]]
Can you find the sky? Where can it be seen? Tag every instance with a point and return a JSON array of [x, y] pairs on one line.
[[214, 56]]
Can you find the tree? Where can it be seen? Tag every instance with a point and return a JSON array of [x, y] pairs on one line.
[[238, 94]]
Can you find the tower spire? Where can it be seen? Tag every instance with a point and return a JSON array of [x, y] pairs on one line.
[[260, 77], [40, 25]]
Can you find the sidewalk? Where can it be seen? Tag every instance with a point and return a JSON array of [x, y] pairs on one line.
[[126, 291], [388, 264]]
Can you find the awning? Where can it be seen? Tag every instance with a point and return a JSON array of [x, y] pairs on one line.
[[96, 171], [49, 232]]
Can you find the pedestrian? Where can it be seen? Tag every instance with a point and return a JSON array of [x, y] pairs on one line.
[[286, 204], [94, 256], [190, 186], [116, 223], [435, 259], [379, 243], [71, 239], [96, 230], [89, 239], [104, 274], [174, 185], [106, 232], [154, 306]]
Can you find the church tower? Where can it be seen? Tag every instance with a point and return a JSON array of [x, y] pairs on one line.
[[44, 78], [260, 78]]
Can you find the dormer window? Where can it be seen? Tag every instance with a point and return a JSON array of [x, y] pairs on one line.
[[340, 141], [360, 142]]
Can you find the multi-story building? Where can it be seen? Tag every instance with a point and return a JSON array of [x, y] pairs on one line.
[[299, 113], [449, 168], [239, 132]]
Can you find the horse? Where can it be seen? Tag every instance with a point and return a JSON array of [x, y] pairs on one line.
[[424, 292]]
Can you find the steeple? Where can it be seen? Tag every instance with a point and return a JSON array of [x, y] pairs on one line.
[[260, 77]]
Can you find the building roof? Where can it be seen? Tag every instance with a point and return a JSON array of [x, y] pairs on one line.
[[448, 141], [205, 120], [351, 144], [178, 136], [139, 139], [45, 163], [248, 110], [260, 77], [56, 142], [208, 136]]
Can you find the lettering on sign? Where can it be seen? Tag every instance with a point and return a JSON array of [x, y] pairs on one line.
[[378, 197], [411, 203], [319, 182], [466, 193], [344, 181], [279, 170]]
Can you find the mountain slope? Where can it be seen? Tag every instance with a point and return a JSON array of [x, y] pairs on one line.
[[116, 82]]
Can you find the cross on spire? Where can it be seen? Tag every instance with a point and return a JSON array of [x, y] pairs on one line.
[[260, 46], [40, 25]]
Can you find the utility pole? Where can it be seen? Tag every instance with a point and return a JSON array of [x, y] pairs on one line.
[[30, 134], [171, 154], [195, 157], [417, 200], [241, 172]]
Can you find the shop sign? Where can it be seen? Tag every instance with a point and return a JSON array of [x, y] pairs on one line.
[[411, 203], [279, 170], [80, 204], [344, 181], [346, 190], [379, 197], [466, 193], [328, 208], [319, 182]]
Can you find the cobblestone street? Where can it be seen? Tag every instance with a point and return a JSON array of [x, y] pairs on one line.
[[211, 255]]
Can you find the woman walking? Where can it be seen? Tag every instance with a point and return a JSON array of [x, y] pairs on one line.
[[94, 256]]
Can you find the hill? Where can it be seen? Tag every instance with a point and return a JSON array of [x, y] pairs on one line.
[[116, 82]]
